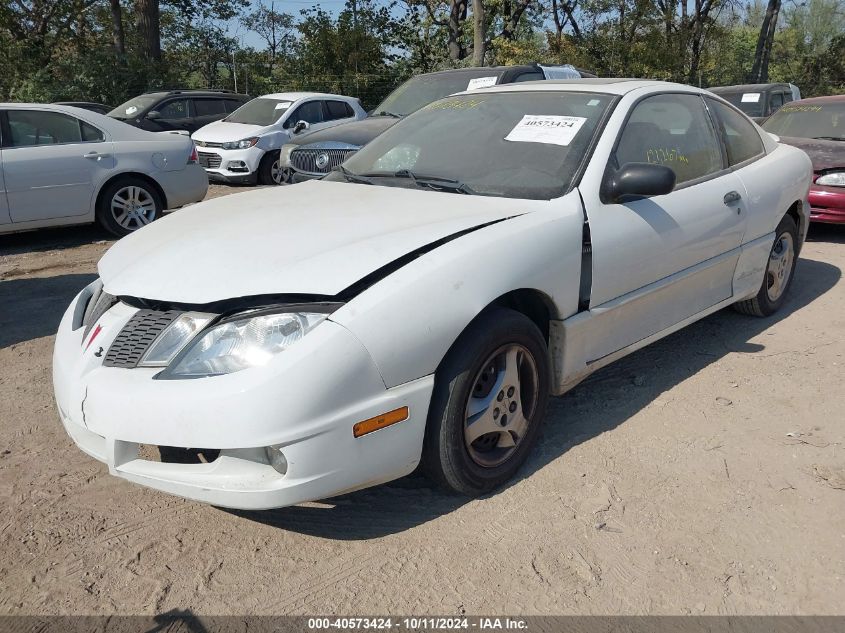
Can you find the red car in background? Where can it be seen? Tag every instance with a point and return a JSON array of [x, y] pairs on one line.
[[818, 127]]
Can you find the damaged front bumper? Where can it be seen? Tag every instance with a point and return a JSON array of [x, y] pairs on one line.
[[304, 404]]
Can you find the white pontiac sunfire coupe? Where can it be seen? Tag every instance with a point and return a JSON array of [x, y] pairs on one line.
[[420, 304]]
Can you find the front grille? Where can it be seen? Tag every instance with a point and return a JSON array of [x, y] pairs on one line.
[[137, 336], [209, 160], [306, 160], [207, 144]]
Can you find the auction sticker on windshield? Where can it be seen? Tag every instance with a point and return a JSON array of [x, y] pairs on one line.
[[751, 97], [481, 82], [551, 129]]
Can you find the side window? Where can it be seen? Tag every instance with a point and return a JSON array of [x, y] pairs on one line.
[[90, 133], [741, 138], [208, 107], [673, 130], [311, 112], [787, 97], [775, 102], [338, 110], [232, 104], [529, 77], [176, 109], [32, 127]]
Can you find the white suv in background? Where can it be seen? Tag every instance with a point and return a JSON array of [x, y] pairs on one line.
[[244, 147]]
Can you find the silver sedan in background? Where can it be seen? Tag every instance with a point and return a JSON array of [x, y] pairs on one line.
[[62, 165]]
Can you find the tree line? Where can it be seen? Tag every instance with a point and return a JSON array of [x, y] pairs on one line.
[[110, 50]]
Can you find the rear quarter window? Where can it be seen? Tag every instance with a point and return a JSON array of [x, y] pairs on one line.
[[741, 138]]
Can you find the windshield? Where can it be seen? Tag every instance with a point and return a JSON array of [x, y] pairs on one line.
[[262, 111], [133, 107], [825, 120], [511, 144], [749, 102], [420, 91]]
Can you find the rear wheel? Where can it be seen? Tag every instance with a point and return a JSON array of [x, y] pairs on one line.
[[127, 204], [779, 272], [271, 172], [489, 399]]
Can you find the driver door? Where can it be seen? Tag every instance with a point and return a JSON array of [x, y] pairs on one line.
[[660, 260], [312, 113]]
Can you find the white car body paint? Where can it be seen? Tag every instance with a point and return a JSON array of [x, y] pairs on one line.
[[58, 184], [270, 137], [439, 259], [360, 229]]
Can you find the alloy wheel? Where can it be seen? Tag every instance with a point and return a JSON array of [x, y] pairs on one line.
[[779, 269], [133, 207], [279, 174], [501, 405]]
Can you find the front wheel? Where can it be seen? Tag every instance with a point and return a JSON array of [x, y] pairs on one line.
[[128, 204], [779, 272], [490, 396], [272, 172]]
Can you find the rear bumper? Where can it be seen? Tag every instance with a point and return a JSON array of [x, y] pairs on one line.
[[184, 186], [827, 204]]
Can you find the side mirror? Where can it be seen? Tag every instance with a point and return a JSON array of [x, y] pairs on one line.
[[152, 115], [638, 180], [300, 126]]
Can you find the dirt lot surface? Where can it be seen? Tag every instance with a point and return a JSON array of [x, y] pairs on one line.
[[705, 474]]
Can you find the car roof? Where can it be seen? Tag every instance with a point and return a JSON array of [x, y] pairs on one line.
[[748, 87], [606, 85], [194, 93], [820, 100], [295, 96], [115, 127], [479, 70]]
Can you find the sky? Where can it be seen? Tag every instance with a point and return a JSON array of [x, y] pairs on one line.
[[236, 29]]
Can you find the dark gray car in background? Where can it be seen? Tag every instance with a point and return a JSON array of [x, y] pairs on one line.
[[315, 154]]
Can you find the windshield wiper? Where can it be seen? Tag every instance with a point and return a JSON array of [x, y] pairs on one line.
[[438, 183], [390, 114], [829, 138], [351, 177]]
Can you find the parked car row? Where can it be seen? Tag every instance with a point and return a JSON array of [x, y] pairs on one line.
[[422, 301], [244, 146], [293, 137]]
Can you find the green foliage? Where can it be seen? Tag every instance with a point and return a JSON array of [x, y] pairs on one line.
[[64, 49]]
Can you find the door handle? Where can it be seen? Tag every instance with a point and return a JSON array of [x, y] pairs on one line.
[[731, 197], [95, 155]]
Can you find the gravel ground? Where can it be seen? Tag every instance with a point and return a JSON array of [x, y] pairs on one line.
[[704, 474]]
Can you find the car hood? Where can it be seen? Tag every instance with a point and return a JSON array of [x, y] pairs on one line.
[[355, 132], [224, 132], [824, 154], [315, 238]]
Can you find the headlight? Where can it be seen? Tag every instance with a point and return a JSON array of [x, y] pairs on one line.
[[833, 179], [244, 144], [240, 343], [174, 337]]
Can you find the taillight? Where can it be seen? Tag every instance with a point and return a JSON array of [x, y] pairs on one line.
[[193, 159]]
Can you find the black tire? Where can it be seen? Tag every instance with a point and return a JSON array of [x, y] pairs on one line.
[[763, 304], [268, 167], [149, 207], [446, 457]]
